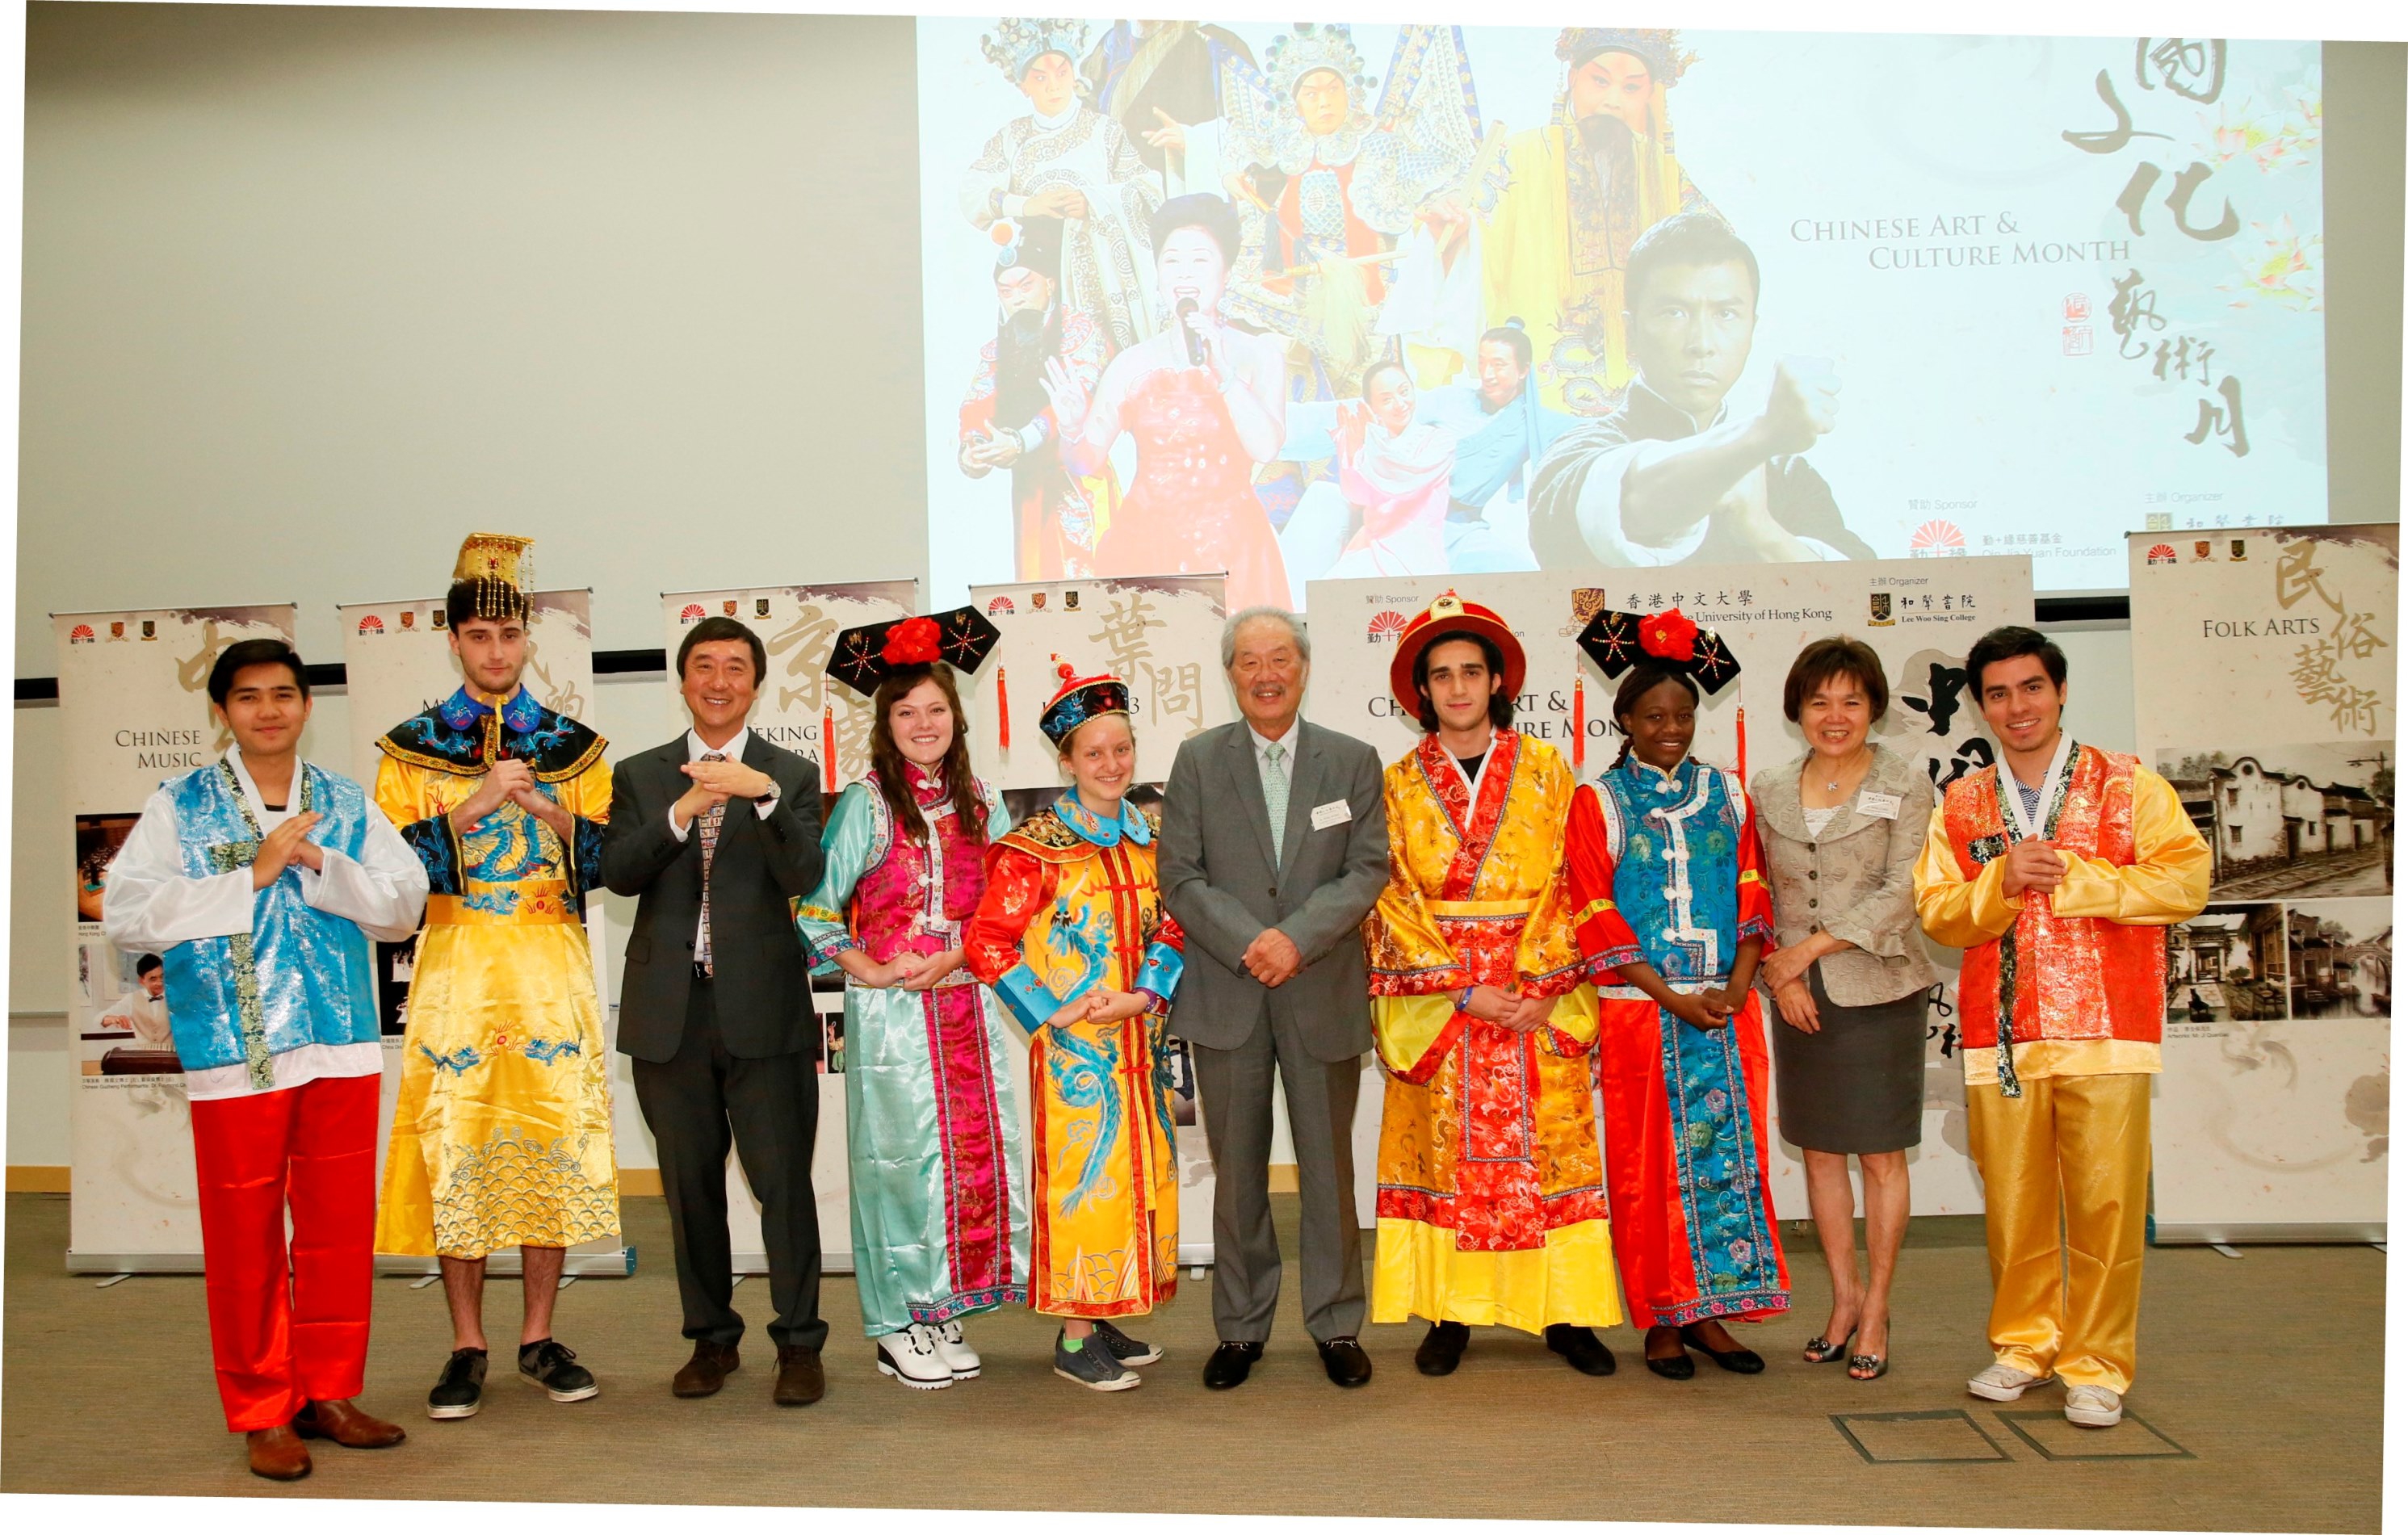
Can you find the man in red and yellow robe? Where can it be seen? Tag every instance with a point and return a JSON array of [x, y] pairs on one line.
[[1492, 1204]]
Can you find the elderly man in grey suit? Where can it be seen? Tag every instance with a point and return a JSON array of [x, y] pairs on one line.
[[1274, 847]]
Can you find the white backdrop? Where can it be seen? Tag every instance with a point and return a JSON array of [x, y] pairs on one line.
[[1934, 610], [2258, 652], [133, 688], [397, 662]]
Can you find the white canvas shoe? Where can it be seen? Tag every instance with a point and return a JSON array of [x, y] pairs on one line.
[[2093, 1407], [956, 1353], [910, 1356], [2004, 1382]]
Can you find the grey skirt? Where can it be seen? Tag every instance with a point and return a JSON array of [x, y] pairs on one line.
[[1856, 1085]]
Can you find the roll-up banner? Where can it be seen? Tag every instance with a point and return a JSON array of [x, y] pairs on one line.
[[1920, 616], [1162, 635], [397, 662], [134, 695], [2263, 688], [803, 710]]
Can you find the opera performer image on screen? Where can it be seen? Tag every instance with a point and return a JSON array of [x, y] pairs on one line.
[[1067, 161], [1673, 476], [1204, 402], [1008, 422]]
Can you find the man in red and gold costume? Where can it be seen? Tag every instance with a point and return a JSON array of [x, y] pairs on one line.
[[1492, 1194], [2056, 893]]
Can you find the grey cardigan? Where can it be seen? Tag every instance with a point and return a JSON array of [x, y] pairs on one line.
[[1856, 882]]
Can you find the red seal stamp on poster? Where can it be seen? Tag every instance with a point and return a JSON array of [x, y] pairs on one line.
[[2077, 308], [2075, 339]]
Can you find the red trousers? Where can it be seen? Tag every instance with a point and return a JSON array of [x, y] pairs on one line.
[[288, 1327]]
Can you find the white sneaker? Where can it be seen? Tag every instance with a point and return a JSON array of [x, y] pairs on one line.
[[2004, 1382], [957, 1355], [910, 1356], [2093, 1407]]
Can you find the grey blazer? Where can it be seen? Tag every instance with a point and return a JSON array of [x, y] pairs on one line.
[[1856, 882], [1219, 880]]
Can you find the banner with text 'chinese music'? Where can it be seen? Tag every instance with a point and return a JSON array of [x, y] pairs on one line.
[[2263, 689]]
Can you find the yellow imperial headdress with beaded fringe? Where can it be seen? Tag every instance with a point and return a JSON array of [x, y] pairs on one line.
[[500, 570]]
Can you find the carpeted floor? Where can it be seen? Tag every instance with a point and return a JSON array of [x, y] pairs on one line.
[[2260, 1407]]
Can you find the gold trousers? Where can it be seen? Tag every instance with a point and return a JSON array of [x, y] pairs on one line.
[[2065, 1176]]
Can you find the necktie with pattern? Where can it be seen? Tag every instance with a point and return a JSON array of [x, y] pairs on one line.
[[1275, 795], [710, 819]]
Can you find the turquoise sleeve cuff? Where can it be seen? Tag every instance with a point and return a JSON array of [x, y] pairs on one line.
[[1164, 965], [1030, 1000]]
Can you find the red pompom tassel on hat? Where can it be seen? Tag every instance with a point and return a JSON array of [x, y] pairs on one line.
[[827, 746], [1002, 712], [1580, 722]]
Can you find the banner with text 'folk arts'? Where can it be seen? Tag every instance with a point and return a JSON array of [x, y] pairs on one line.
[[2263, 687]]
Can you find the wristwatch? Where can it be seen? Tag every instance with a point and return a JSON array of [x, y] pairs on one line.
[[769, 796]]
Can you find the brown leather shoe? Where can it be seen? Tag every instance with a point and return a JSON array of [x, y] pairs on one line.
[[347, 1425], [707, 1372], [801, 1379], [278, 1454]]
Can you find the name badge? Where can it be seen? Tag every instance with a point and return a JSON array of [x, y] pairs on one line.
[[1885, 807], [1336, 813]]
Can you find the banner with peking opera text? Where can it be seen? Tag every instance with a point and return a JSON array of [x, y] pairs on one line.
[[133, 693], [398, 660], [1919, 617], [2264, 666]]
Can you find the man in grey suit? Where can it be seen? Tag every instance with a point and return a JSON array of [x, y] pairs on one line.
[[1274, 847], [713, 834]]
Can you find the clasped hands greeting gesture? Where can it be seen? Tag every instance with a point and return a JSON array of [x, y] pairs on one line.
[[715, 784], [287, 845], [1102, 1005], [2034, 864], [1506, 1005], [510, 781], [910, 971]]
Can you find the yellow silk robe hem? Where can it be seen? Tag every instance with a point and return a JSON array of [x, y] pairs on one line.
[[1419, 1271]]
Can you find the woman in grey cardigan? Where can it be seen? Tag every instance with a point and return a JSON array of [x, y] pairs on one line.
[[1842, 828]]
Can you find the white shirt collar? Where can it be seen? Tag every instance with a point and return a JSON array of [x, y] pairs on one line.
[[250, 787], [1263, 742], [1058, 121], [733, 751]]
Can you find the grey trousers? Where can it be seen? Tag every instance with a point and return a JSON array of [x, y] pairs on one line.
[[697, 1105], [1236, 1087]]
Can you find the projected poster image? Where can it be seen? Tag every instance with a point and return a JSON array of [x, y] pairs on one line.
[[1300, 301]]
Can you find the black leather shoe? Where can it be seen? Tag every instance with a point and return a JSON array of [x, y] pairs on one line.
[[1345, 1361], [1443, 1350], [1739, 1361], [1580, 1348], [1230, 1365]]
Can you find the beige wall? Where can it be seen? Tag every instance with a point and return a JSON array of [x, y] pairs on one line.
[[311, 293]]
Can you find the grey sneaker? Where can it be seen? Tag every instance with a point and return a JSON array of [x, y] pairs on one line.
[[461, 1388], [1090, 1365], [2093, 1407], [1128, 1349], [553, 1366]]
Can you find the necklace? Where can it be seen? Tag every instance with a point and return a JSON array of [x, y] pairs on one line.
[[1832, 785]]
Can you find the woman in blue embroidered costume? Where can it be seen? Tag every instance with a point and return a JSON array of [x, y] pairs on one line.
[[940, 1207], [1672, 911], [1073, 936]]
